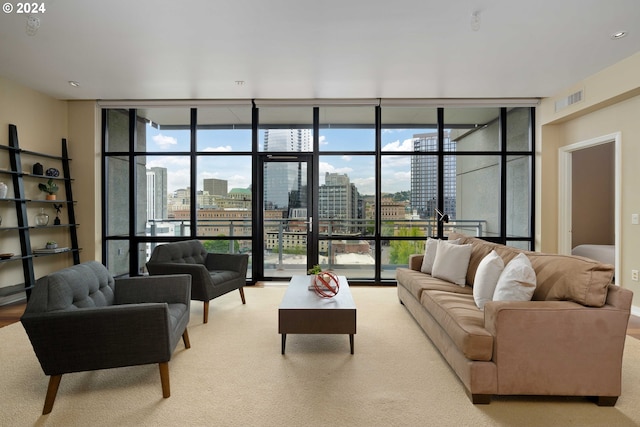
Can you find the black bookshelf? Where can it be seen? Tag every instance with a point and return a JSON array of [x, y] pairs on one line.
[[24, 228]]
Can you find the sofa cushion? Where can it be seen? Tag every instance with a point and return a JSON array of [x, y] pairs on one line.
[[486, 278], [430, 251], [451, 262], [559, 277], [570, 278], [482, 248], [415, 282], [461, 320], [517, 281]]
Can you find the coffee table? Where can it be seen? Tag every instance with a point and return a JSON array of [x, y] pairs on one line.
[[304, 312]]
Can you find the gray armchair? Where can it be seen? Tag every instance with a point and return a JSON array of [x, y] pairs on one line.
[[212, 274], [82, 319]]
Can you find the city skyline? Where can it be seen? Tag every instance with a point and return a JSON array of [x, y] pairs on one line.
[[396, 169]]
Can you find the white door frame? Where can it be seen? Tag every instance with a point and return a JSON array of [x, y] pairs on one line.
[[564, 192]]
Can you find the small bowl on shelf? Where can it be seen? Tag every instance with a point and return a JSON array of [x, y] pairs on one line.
[[6, 255]]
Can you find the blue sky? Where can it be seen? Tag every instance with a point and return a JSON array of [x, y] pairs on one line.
[[237, 171]]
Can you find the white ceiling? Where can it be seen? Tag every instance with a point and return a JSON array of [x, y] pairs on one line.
[[198, 49]]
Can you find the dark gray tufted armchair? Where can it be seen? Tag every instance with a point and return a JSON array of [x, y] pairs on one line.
[[212, 274], [81, 319]]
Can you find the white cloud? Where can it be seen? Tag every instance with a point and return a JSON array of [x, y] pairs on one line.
[[225, 148], [326, 167], [346, 158], [406, 145], [365, 185], [403, 177], [323, 140], [178, 179], [169, 162], [164, 141], [396, 162]]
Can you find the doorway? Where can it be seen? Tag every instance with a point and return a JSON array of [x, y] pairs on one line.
[[580, 208], [288, 244]]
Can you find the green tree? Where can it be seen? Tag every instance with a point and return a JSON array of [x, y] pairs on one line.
[[220, 246], [401, 249], [296, 250]]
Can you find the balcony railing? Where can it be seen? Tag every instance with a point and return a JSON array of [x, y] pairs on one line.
[[286, 240]]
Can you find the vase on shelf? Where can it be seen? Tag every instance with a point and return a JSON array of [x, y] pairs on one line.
[[38, 169], [3, 190], [42, 218]]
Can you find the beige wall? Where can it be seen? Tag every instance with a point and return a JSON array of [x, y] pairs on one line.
[[611, 104], [42, 122], [84, 137]]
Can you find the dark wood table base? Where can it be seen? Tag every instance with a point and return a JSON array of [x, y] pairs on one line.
[[304, 312], [284, 342]]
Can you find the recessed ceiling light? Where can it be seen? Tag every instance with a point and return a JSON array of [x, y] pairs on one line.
[[74, 83], [618, 35]]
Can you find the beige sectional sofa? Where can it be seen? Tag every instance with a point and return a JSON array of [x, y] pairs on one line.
[[568, 340]]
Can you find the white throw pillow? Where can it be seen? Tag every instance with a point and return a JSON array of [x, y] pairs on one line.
[[430, 250], [451, 262], [487, 275], [517, 281]]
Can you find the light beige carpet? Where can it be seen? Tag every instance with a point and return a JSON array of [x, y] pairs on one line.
[[234, 375]]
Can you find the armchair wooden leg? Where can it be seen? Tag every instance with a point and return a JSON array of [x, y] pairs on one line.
[[242, 295], [52, 390], [205, 316], [185, 338], [164, 379]]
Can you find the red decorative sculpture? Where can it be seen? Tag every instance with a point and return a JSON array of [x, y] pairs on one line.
[[326, 284]]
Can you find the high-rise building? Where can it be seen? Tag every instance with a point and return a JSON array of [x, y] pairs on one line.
[[285, 184], [157, 193], [215, 187], [424, 175], [338, 200]]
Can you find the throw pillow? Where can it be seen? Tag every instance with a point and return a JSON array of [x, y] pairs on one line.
[[486, 279], [517, 281], [451, 262], [430, 250]]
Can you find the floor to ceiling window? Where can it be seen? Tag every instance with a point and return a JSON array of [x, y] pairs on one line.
[[353, 186]]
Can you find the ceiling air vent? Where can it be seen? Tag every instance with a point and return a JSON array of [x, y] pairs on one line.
[[569, 100]]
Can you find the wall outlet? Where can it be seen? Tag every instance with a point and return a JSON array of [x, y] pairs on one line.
[[634, 275], [634, 219]]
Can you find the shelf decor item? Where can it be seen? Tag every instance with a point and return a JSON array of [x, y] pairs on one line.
[[324, 283], [42, 218], [3, 190], [38, 169], [51, 188], [58, 208], [52, 172], [51, 244]]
